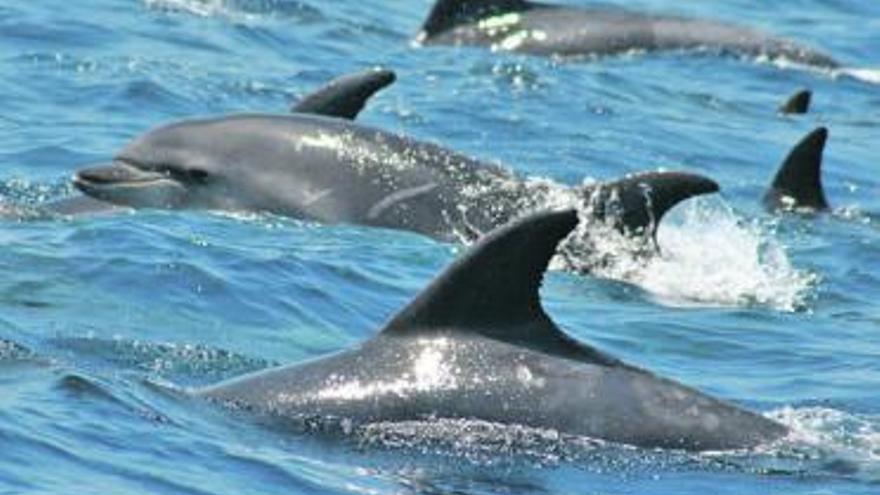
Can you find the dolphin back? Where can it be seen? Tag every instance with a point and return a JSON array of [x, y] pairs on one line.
[[476, 344]]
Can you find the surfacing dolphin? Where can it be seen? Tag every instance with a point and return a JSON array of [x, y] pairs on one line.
[[332, 170], [555, 30], [342, 97], [476, 344]]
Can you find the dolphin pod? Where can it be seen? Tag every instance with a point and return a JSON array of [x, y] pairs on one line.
[[477, 344], [555, 30], [329, 169]]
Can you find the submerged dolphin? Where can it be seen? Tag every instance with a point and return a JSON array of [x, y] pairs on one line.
[[544, 29], [333, 170], [476, 344], [797, 185]]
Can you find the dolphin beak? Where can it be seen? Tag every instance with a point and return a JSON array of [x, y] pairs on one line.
[[115, 173], [124, 183]]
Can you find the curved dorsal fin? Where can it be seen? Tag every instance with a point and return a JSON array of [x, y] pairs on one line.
[[447, 14], [798, 183], [639, 201], [494, 286], [345, 96], [798, 103]]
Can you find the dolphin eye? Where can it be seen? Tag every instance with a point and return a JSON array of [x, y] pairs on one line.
[[196, 175]]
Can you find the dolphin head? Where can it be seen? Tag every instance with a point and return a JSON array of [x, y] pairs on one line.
[[131, 183], [156, 170]]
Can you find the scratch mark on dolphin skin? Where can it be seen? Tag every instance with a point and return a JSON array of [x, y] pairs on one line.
[[313, 198], [388, 201]]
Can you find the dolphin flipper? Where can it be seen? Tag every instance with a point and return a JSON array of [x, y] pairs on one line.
[[798, 183], [798, 103], [447, 14], [345, 96], [637, 203]]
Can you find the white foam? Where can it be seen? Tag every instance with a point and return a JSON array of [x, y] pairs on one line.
[[712, 257], [867, 75], [841, 441], [707, 255], [831, 428]]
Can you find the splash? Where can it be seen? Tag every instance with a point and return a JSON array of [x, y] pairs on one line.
[[711, 257], [871, 76], [863, 74], [830, 440], [708, 257]]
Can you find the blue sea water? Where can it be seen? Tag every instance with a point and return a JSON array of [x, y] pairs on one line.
[[106, 321]]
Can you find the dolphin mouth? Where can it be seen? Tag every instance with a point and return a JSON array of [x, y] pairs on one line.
[[119, 172]]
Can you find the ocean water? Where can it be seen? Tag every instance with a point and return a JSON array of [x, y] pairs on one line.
[[106, 322]]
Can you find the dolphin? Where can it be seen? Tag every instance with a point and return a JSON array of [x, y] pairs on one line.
[[343, 97], [555, 30], [477, 344], [797, 185], [330, 169]]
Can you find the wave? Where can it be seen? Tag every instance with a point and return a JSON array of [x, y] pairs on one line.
[[871, 76]]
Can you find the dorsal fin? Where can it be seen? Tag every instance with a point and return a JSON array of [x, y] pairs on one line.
[[345, 96], [798, 183], [494, 286], [637, 203], [798, 103], [448, 14]]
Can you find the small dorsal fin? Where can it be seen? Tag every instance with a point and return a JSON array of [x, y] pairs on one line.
[[494, 286], [637, 203], [798, 183], [448, 14], [798, 103], [345, 96]]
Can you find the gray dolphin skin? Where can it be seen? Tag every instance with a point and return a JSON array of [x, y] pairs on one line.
[[332, 170], [476, 344], [797, 185], [554, 30]]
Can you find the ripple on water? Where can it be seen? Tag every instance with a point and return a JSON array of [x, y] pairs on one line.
[[244, 11], [182, 363]]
